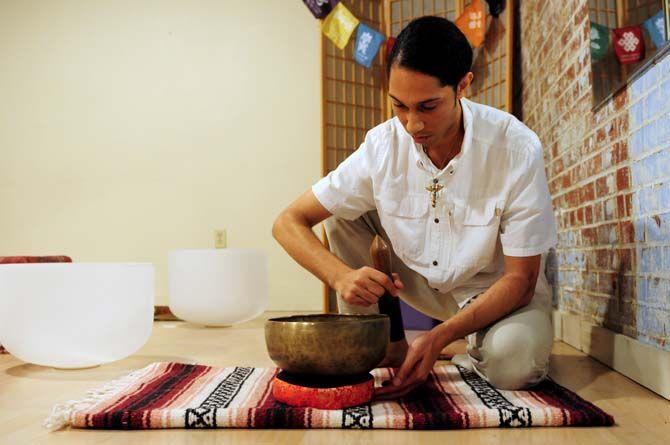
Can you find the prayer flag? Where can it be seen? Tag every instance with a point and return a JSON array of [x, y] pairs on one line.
[[600, 40], [628, 44], [320, 8], [367, 45], [339, 25], [390, 43], [473, 23], [655, 26]]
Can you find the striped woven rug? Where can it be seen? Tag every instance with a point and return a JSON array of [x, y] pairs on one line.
[[175, 395]]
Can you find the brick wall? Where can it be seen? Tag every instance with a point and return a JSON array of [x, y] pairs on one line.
[[608, 172]]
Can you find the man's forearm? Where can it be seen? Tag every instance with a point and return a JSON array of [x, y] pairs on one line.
[[299, 241], [506, 295]]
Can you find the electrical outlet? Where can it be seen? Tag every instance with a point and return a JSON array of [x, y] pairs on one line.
[[220, 239]]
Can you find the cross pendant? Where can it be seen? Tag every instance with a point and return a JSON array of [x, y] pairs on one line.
[[434, 189]]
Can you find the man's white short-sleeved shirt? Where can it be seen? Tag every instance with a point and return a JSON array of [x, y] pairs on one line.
[[494, 199]]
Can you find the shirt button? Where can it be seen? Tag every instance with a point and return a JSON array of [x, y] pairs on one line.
[[451, 172], [435, 181], [434, 263], [437, 220]]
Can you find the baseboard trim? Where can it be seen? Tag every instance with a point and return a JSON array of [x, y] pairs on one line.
[[646, 365]]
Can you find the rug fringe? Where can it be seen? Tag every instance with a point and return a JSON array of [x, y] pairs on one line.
[[61, 414]]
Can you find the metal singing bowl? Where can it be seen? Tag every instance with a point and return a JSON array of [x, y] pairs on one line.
[[327, 344]]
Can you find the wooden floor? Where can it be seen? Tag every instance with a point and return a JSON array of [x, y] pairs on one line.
[[27, 393]]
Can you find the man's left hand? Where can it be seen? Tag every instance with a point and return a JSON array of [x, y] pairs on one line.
[[421, 356]]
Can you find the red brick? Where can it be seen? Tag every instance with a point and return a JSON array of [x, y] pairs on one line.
[[602, 258], [594, 165], [629, 204], [622, 179], [589, 236], [587, 193], [588, 215], [626, 232], [598, 212], [621, 206], [623, 125], [572, 198], [613, 132], [609, 209], [605, 231], [619, 152], [581, 15], [574, 47], [624, 262], [601, 187], [557, 167], [620, 99], [565, 181]]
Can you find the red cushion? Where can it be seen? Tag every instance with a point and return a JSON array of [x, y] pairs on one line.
[[35, 259], [323, 398]]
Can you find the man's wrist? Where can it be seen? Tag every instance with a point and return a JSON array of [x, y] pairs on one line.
[[333, 278], [443, 335]]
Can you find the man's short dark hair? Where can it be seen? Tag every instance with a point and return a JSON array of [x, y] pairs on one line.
[[433, 46]]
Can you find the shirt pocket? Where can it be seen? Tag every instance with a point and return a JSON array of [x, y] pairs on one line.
[[404, 220], [475, 232]]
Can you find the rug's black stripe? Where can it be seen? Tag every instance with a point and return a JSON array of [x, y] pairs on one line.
[[357, 417], [509, 415], [483, 389], [227, 390]]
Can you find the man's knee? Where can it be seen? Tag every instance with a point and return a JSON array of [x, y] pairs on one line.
[[514, 373], [515, 356]]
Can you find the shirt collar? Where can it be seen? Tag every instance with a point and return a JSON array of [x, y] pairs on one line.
[[421, 158]]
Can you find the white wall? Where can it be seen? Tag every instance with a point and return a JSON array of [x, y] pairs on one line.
[[130, 128]]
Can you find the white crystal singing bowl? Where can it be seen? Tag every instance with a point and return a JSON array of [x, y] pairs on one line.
[[75, 315], [217, 287]]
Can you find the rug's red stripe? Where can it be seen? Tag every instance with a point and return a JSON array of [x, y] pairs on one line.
[[129, 414], [152, 376], [125, 416], [446, 404], [254, 417], [169, 393], [146, 388], [428, 407], [582, 412]]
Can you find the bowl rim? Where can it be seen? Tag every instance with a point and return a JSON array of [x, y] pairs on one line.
[[334, 318], [217, 250], [73, 264]]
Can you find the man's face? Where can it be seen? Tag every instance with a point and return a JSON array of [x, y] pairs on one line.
[[427, 110]]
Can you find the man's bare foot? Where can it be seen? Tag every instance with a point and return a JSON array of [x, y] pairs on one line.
[[455, 348], [395, 354]]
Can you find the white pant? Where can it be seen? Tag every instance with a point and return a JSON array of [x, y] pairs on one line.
[[512, 353]]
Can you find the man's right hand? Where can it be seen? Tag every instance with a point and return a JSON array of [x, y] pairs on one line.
[[364, 286]]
